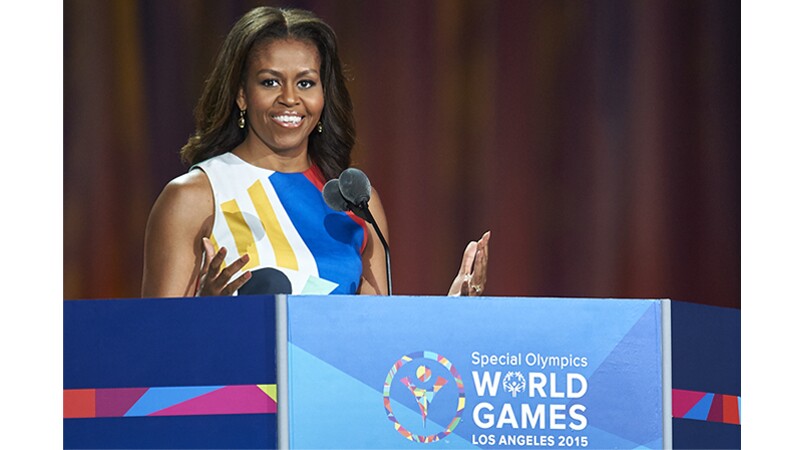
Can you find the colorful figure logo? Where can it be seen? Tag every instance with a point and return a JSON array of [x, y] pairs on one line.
[[423, 395]]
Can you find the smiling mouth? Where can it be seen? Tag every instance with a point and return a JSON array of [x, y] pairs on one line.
[[288, 120]]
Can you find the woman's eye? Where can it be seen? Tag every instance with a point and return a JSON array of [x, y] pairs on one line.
[[306, 84], [270, 82]]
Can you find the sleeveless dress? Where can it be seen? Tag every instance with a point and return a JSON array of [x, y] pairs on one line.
[[297, 244]]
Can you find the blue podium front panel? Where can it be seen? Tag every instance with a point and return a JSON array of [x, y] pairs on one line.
[[442, 372], [706, 376], [170, 373]]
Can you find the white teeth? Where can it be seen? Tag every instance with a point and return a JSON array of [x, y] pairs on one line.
[[288, 119]]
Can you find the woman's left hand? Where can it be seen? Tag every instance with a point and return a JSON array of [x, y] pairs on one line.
[[471, 277]]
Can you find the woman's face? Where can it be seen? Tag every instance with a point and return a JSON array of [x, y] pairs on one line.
[[282, 95]]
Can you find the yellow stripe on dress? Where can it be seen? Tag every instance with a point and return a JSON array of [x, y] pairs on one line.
[[242, 235], [284, 254]]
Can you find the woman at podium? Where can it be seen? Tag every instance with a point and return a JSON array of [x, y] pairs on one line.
[[274, 123]]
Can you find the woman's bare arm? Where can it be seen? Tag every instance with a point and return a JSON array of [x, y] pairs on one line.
[[374, 279], [173, 252]]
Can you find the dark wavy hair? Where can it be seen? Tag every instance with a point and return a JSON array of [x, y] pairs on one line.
[[217, 113]]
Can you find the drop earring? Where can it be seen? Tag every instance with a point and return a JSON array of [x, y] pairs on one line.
[[319, 127], [241, 118]]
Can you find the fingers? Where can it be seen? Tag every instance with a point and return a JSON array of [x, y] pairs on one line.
[[234, 285], [465, 288], [220, 281], [215, 281], [208, 246], [216, 261], [469, 258], [486, 236], [481, 261], [471, 277], [477, 276], [231, 270]]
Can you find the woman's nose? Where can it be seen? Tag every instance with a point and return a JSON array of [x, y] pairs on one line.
[[288, 96]]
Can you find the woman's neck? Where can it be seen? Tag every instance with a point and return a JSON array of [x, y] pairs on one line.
[[266, 158]]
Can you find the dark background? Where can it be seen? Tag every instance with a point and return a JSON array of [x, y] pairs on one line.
[[599, 141]]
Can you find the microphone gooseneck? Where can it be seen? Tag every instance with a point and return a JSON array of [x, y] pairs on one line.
[[351, 192]]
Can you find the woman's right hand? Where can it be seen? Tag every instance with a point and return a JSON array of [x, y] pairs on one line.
[[213, 281]]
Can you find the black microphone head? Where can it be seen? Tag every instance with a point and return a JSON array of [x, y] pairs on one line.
[[333, 196], [355, 186]]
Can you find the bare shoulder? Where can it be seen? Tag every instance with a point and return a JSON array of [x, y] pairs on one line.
[[187, 199], [193, 185], [191, 190]]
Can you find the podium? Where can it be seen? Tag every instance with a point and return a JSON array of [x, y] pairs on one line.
[[400, 372]]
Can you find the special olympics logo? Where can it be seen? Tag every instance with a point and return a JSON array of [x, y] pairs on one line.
[[417, 372], [514, 383]]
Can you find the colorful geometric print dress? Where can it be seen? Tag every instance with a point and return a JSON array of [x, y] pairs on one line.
[[297, 244]]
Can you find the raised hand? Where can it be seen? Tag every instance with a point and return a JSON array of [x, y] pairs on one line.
[[213, 281], [471, 277]]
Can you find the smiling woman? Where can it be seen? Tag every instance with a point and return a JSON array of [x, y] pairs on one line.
[[283, 99], [274, 123]]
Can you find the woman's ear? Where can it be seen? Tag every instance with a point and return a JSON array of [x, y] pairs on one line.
[[240, 99]]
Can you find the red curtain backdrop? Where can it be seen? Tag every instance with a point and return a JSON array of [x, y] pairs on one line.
[[599, 141]]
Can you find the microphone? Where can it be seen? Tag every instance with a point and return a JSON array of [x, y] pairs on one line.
[[351, 192], [333, 196], [355, 186]]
